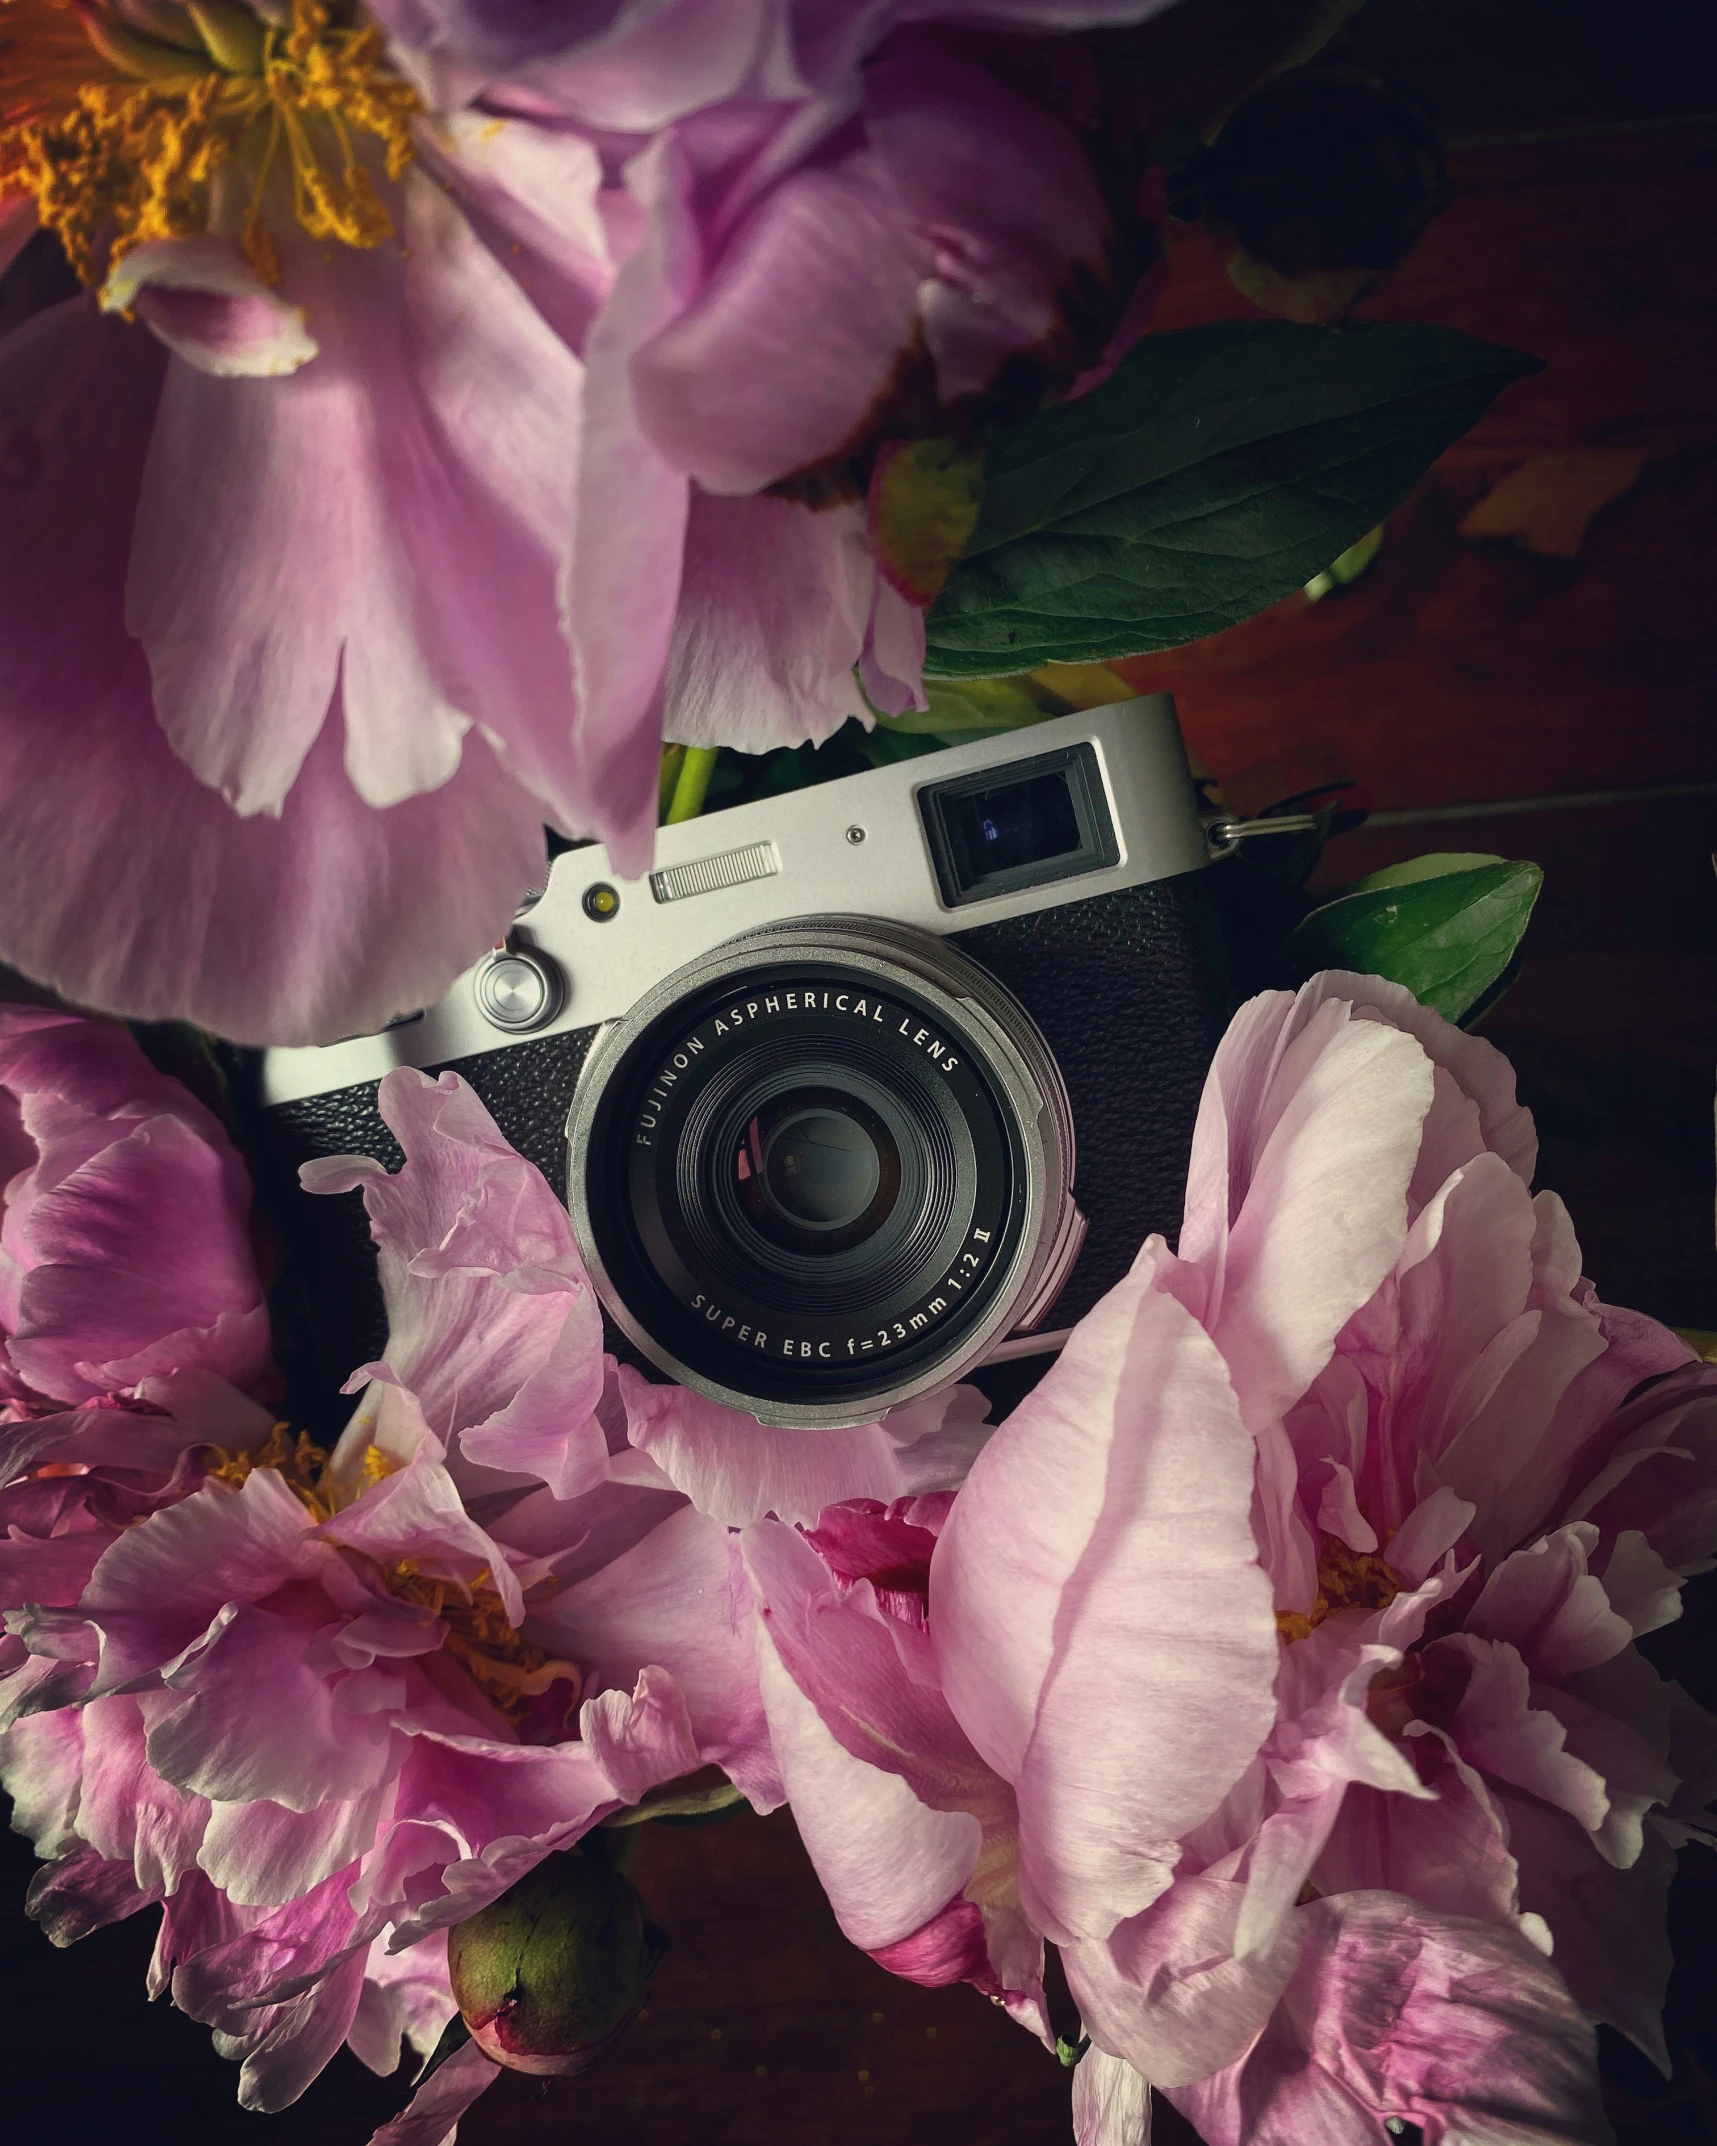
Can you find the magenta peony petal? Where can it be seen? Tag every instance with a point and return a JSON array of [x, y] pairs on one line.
[[888, 1862], [1461, 2030], [1105, 1529]]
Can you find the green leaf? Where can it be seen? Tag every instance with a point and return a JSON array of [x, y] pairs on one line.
[[1432, 866], [1447, 937], [1217, 470]]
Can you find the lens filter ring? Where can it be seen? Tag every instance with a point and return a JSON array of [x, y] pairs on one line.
[[820, 1170]]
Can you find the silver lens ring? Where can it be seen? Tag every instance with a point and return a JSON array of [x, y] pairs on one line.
[[1020, 1073]]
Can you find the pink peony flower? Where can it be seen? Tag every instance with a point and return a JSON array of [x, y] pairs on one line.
[[1460, 1529], [321, 1705], [124, 1223], [290, 490], [537, 398]]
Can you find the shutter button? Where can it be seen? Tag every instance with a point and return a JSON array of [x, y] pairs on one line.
[[518, 991]]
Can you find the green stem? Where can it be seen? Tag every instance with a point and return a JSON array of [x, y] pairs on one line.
[[691, 785]]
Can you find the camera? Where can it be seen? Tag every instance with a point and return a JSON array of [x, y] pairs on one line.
[[861, 1088]]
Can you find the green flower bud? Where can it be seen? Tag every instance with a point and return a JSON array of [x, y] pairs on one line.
[[548, 1976]]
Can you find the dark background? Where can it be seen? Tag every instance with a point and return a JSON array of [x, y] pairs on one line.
[[1458, 672]]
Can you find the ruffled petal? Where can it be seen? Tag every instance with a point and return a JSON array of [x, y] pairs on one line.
[[737, 1469], [1459, 2029]]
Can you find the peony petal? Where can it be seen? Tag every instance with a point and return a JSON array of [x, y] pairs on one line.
[[163, 1585], [839, 1648], [407, 517], [327, 921], [1105, 1529], [148, 1240], [671, 1600], [774, 609], [1111, 2102], [204, 301], [1458, 2029], [1296, 1208], [435, 2109], [737, 1469], [887, 1862], [621, 583], [1550, 1608], [1165, 1990], [256, 1721], [730, 390]]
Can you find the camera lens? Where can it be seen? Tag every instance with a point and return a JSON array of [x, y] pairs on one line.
[[817, 1170], [822, 1169]]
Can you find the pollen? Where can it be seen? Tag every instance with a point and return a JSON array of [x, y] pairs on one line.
[[1347, 1579], [509, 1670], [513, 1673], [118, 132]]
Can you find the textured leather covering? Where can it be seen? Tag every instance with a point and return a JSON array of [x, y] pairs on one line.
[[1129, 990]]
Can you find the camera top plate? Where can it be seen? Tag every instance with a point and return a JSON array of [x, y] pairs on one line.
[[865, 845]]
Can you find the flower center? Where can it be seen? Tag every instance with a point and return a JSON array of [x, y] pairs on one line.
[[536, 1691], [117, 118], [1347, 1579]]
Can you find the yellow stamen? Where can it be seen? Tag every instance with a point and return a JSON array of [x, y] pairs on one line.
[[1347, 1579], [509, 1670], [118, 140]]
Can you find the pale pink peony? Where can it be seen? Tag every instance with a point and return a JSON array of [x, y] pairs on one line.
[[321, 1705], [1460, 1529]]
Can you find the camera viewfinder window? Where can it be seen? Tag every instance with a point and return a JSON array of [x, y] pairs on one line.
[[1002, 830]]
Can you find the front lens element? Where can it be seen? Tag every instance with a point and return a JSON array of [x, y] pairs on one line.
[[817, 1170], [809, 1176]]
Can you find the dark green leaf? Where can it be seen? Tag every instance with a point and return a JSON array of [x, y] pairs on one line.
[[1215, 472], [1447, 938]]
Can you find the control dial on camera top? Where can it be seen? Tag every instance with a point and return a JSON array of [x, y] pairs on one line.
[[519, 991]]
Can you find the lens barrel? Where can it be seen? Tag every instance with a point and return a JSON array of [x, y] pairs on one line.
[[822, 1170]]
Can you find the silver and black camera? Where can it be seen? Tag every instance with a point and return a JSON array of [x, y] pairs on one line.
[[861, 1085]]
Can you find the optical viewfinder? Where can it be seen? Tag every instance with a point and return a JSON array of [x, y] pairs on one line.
[[1042, 820]]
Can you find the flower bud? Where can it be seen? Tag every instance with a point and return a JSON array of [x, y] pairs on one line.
[[548, 1976]]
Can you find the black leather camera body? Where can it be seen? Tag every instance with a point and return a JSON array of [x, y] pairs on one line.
[[862, 1089]]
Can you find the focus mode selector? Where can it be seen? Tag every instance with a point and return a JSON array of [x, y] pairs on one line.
[[518, 991]]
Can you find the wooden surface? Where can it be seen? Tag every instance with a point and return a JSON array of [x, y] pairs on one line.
[[1458, 671]]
